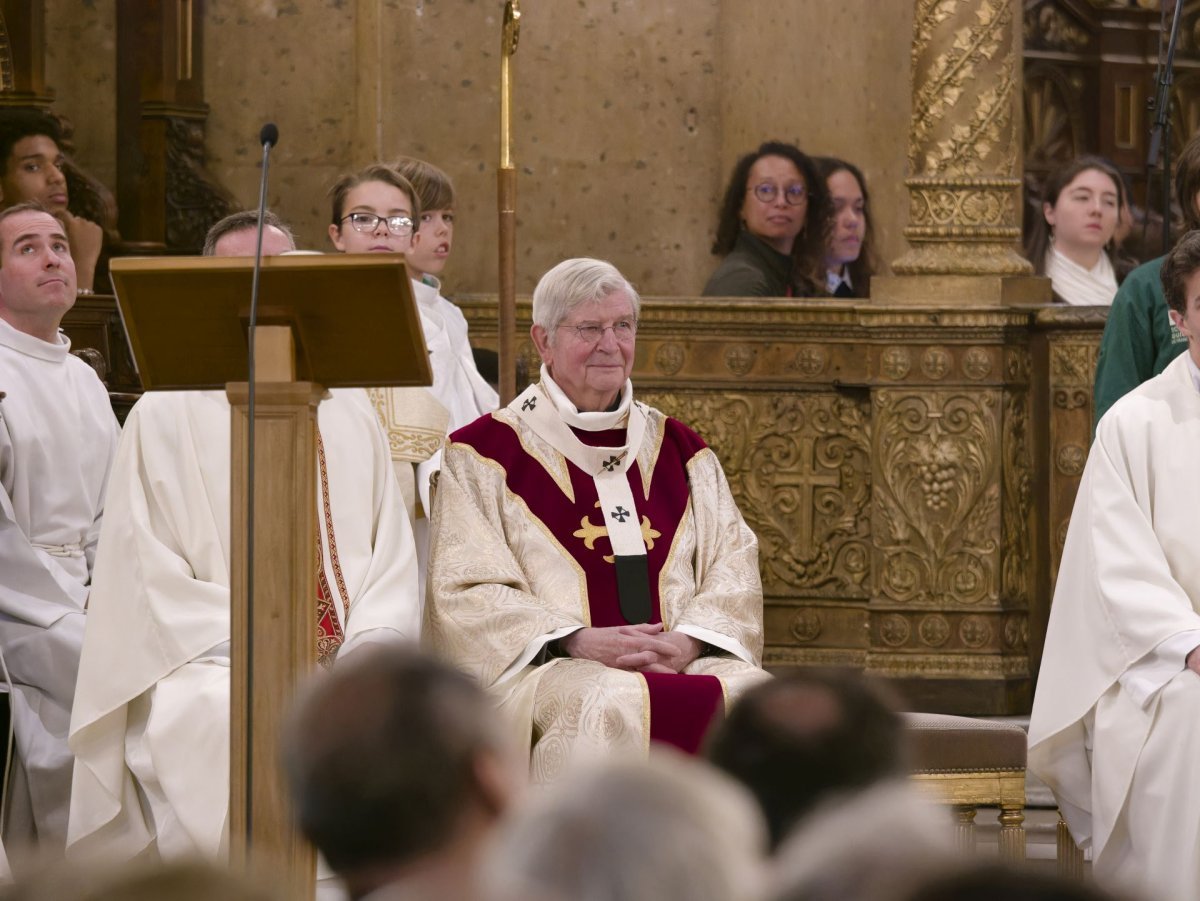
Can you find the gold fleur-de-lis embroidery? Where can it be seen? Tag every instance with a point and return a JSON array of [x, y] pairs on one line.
[[590, 532]]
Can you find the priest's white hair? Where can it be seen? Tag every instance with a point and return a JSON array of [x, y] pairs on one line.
[[671, 828], [574, 282]]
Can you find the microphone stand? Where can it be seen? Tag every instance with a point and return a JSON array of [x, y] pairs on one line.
[[1160, 134], [269, 136]]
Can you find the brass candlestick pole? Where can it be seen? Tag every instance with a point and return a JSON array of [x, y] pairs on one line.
[[507, 197]]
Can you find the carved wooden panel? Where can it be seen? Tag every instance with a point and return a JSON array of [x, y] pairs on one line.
[[1072, 370], [936, 520], [799, 468]]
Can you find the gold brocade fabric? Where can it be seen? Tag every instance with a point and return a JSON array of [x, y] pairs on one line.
[[584, 709], [413, 419]]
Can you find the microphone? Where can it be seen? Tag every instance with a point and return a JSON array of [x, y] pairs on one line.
[[269, 136]]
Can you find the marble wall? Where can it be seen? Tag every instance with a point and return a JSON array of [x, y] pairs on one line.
[[627, 115]]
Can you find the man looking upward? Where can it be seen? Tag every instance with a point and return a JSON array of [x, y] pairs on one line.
[[58, 436]]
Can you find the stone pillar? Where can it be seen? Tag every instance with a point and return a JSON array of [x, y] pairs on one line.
[[964, 161]]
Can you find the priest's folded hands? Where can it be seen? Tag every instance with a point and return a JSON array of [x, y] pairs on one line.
[[643, 647]]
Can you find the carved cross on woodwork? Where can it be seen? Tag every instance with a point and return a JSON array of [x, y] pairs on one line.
[[807, 479]]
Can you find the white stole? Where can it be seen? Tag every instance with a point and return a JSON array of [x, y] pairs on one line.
[[1078, 286], [550, 413]]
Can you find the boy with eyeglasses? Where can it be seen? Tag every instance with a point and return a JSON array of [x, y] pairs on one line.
[[376, 210]]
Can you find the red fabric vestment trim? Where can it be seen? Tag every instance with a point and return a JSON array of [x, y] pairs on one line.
[[329, 628], [528, 479], [683, 708]]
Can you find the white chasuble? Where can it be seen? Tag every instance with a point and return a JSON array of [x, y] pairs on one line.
[[151, 724], [58, 437], [1115, 730], [523, 552]]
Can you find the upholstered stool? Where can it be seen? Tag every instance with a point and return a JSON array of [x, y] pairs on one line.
[[971, 763]]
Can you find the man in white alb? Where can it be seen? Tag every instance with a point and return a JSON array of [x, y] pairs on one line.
[[151, 724], [1115, 730], [58, 436]]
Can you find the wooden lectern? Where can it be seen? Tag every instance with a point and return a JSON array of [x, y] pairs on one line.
[[323, 321]]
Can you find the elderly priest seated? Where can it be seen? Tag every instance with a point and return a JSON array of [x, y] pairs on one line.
[[588, 562]]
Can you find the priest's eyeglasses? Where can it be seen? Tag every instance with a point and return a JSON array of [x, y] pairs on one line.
[[368, 222], [793, 194], [592, 332]]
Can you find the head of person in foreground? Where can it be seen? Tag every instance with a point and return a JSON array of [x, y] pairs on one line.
[[398, 767], [670, 828]]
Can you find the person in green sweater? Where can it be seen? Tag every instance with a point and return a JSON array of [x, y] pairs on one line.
[[1139, 339]]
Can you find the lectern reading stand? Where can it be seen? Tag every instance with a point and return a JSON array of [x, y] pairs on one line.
[[323, 322]]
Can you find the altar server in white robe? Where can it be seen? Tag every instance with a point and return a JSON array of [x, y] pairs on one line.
[[1115, 730], [58, 436], [151, 724]]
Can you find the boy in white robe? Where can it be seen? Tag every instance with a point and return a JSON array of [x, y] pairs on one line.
[[58, 436], [151, 724], [1114, 731]]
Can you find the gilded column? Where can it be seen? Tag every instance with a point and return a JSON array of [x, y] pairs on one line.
[[964, 159]]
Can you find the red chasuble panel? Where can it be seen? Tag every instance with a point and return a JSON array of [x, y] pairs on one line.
[[681, 706], [579, 525]]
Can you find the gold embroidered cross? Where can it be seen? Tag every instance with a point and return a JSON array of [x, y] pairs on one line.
[[589, 533]]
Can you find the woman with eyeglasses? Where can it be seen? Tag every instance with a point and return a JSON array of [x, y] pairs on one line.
[[849, 257], [772, 227]]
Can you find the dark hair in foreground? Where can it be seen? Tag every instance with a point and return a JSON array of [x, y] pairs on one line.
[[863, 268], [1038, 243], [381, 756], [993, 882], [808, 253], [236, 222], [797, 739], [18, 124], [1178, 266]]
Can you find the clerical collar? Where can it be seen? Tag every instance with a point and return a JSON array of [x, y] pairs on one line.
[[34, 347], [589, 422], [433, 281]]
